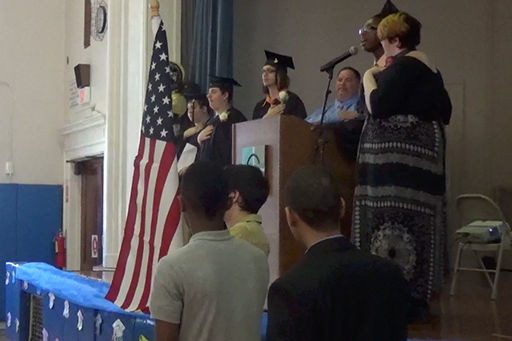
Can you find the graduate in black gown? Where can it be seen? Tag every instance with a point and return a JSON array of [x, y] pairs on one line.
[[198, 113], [215, 139], [278, 100]]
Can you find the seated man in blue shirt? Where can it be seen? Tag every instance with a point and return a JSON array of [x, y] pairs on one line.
[[345, 116], [347, 99]]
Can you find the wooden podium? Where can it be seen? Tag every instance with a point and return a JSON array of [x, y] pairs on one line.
[[290, 143]]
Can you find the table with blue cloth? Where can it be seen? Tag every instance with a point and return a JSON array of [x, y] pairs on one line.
[[73, 307]]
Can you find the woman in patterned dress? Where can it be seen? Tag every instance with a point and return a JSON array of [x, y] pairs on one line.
[[399, 202]]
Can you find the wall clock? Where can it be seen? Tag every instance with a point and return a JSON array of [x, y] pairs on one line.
[[99, 20]]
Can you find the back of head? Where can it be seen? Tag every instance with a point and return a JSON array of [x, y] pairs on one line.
[[403, 26], [204, 190], [250, 183], [314, 195]]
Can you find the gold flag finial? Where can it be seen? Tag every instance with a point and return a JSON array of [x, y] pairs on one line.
[[155, 8]]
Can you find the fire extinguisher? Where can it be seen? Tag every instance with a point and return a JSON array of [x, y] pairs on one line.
[[60, 250]]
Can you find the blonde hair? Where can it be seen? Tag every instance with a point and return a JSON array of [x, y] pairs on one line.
[[400, 25]]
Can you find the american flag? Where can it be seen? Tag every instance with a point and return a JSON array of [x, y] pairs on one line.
[[153, 212]]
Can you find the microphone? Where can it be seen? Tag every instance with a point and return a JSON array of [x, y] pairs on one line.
[[330, 65]]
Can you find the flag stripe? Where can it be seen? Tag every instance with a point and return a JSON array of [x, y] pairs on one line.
[[163, 200], [171, 220], [157, 178], [133, 246], [128, 230], [140, 242]]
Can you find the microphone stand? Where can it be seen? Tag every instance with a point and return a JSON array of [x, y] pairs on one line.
[[321, 142]]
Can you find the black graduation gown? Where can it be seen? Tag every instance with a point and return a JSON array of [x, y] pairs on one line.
[[294, 106], [181, 141], [218, 148]]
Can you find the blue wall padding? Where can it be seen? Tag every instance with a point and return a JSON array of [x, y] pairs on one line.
[[39, 211], [8, 195], [30, 216]]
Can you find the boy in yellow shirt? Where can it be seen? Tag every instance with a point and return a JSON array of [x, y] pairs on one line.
[[248, 191]]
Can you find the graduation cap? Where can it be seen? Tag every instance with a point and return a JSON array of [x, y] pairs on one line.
[[192, 91], [276, 59], [387, 9], [222, 82]]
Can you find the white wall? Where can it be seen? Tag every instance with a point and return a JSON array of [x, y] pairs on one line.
[[32, 65], [95, 55]]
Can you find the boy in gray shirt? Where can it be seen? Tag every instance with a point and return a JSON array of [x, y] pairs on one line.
[[214, 287]]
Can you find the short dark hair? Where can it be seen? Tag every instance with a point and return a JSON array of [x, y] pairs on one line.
[[354, 71], [314, 195], [225, 88], [202, 100], [250, 183], [204, 187]]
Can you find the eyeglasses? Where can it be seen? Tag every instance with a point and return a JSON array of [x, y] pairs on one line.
[[367, 28]]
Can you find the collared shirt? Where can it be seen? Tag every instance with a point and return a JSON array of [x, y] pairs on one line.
[[214, 288], [251, 231], [321, 240], [331, 112]]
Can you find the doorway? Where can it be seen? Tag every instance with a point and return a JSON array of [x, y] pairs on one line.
[[91, 248]]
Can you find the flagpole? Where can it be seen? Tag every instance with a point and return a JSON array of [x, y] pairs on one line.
[[155, 15]]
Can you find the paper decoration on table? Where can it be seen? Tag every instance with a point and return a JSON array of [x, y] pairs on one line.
[[45, 334], [25, 285], [65, 313], [80, 320], [7, 277], [8, 322], [98, 323], [51, 298], [119, 328]]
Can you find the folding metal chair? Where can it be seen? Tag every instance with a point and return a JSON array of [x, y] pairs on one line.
[[471, 208]]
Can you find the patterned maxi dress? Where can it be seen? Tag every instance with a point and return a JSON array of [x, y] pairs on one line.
[[399, 201]]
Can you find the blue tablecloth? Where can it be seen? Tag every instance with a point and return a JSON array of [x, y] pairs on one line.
[[80, 290]]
